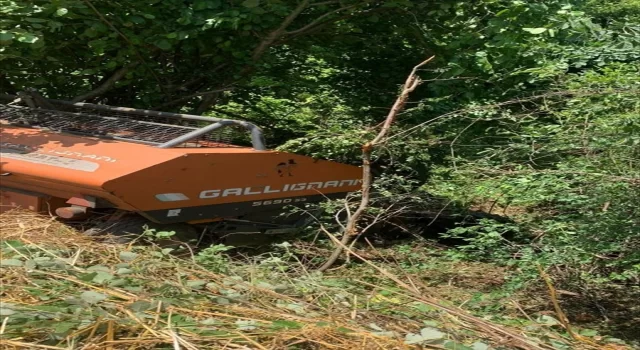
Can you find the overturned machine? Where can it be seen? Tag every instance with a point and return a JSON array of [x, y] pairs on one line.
[[133, 166]]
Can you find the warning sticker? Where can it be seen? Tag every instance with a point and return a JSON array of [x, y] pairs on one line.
[[39, 158]]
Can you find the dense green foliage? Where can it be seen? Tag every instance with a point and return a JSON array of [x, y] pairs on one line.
[[531, 108]]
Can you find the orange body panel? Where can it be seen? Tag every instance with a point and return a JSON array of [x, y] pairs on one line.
[[31, 201], [10, 200], [166, 184]]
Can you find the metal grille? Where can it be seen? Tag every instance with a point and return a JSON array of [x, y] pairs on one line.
[[121, 126]]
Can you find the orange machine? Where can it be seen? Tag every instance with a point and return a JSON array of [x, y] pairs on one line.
[[80, 159]]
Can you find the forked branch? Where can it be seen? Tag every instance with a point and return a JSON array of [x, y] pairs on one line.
[[351, 228]]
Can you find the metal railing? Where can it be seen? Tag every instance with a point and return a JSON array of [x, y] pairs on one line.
[[161, 129]]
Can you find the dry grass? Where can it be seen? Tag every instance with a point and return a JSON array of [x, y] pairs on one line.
[[72, 292]]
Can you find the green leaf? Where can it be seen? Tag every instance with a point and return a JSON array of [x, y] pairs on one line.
[[251, 3], [62, 11], [535, 30], [246, 325], [63, 327], [35, 20], [196, 284], [118, 282], [426, 334], [163, 44], [4, 36], [11, 262], [92, 297], [128, 256], [222, 301], [548, 320], [429, 333], [411, 339], [27, 38], [265, 285], [136, 19], [87, 277], [124, 271], [479, 346], [98, 268], [5, 311], [31, 264], [284, 324], [589, 332], [140, 306], [13, 243], [102, 277], [344, 330], [451, 345]]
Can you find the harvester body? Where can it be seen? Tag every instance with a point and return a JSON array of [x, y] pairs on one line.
[[168, 168]]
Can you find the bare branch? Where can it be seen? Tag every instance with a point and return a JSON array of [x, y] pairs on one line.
[[124, 37], [310, 29], [206, 103], [277, 33], [319, 19], [259, 51], [106, 85], [352, 231], [187, 98], [410, 84], [324, 3]]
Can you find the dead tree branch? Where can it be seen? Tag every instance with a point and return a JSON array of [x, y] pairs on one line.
[[106, 85], [278, 32], [319, 20], [351, 230], [126, 39], [259, 51], [187, 98], [280, 35], [319, 25]]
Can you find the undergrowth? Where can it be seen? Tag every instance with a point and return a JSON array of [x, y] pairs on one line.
[[61, 290]]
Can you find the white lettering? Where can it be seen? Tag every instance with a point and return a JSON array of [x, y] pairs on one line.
[[82, 155], [232, 191], [313, 185], [210, 194], [279, 201], [247, 192], [267, 189], [298, 187], [346, 183], [331, 184]]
